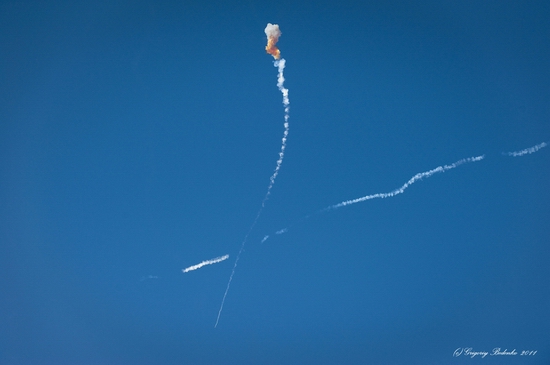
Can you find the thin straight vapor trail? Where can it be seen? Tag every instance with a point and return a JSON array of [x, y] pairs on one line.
[[235, 265]]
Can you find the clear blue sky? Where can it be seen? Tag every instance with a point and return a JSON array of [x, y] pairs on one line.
[[137, 138]]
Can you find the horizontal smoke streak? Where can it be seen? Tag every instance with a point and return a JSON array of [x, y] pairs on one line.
[[402, 189], [398, 191], [527, 150], [414, 179], [204, 263]]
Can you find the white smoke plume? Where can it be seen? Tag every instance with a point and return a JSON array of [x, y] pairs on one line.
[[273, 33], [527, 150], [207, 262]]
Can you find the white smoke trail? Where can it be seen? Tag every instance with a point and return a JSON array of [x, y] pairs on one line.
[[207, 262], [411, 181], [395, 192], [527, 150], [280, 64]]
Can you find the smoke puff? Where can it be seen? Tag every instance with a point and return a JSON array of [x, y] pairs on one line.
[[272, 31]]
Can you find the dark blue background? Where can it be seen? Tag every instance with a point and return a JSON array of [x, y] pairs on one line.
[[137, 138]]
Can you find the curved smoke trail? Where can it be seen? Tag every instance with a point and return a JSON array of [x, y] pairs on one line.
[[273, 33], [412, 180], [402, 189], [395, 192], [280, 64]]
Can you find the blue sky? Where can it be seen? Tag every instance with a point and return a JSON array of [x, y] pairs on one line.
[[138, 138]]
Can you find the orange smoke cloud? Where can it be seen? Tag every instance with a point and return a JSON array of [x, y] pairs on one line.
[[273, 33], [272, 49]]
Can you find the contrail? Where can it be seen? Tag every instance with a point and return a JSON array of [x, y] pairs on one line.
[[527, 150], [414, 179], [207, 262], [395, 192], [411, 181], [273, 33], [280, 64]]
